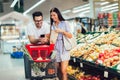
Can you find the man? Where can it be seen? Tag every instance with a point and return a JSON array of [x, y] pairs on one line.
[[78, 28], [39, 31]]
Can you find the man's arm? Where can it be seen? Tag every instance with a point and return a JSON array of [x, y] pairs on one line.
[[44, 40], [33, 40]]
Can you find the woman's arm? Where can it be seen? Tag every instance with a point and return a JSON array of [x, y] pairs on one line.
[[67, 31], [67, 34]]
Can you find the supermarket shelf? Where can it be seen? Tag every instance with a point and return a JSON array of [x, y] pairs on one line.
[[95, 69]]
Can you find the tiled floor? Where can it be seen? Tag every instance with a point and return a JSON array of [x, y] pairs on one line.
[[11, 69]]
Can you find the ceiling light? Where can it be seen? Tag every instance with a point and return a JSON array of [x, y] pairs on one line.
[[111, 5], [86, 12], [82, 14], [104, 3], [38, 3], [116, 7], [82, 9], [66, 11], [13, 3], [113, 10], [86, 5]]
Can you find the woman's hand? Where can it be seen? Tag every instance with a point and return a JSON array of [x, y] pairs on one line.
[[58, 30], [67, 34]]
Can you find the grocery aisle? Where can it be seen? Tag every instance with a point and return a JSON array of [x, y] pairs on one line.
[[11, 69]]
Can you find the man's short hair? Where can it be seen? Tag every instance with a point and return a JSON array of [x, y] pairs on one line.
[[37, 13], [77, 19]]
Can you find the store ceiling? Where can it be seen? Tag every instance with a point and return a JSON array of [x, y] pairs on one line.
[[45, 6]]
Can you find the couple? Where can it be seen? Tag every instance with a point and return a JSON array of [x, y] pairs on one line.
[[57, 22]]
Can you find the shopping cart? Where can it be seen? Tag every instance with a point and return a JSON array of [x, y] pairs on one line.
[[37, 62]]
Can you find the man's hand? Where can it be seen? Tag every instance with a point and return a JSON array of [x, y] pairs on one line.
[[43, 40]]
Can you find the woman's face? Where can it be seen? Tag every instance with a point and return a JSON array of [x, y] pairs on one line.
[[54, 16]]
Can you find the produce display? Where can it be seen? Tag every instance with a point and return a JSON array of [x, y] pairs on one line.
[[109, 38], [85, 51], [77, 74], [116, 41], [91, 51], [80, 75], [109, 58], [103, 49], [112, 37], [88, 36], [9, 30], [80, 36]]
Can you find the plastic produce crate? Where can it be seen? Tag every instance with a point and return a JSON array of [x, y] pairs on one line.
[[38, 69]]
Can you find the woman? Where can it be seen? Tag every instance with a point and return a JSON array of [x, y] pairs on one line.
[[62, 27]]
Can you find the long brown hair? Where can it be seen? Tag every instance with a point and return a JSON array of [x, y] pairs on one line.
[[60, 17]]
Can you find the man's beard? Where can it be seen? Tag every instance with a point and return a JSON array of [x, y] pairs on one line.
[[39, 26]]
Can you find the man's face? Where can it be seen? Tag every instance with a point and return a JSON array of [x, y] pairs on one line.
[[38, 21]]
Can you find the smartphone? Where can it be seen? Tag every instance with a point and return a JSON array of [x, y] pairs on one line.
[[42, 36]]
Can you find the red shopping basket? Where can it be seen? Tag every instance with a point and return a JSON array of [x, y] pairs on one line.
[[40, 51]]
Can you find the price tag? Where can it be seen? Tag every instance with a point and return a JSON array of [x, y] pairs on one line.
[[81, 65], [105, 74], [74, 59]]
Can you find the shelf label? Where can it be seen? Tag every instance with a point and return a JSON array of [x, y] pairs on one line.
[[74, 59], [106, 74], [81, 65]]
